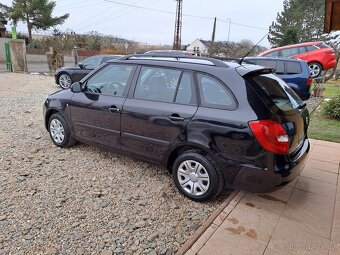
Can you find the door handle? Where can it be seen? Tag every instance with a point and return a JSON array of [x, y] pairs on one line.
[[176, 117], [114, 108]]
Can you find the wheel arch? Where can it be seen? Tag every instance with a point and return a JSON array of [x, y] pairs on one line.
[[317, 62], [48, 115], [176, 151]]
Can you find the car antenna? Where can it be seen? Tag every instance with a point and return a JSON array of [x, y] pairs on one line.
[[241, 60]]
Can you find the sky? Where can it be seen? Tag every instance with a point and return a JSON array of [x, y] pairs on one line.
[[248, 19]]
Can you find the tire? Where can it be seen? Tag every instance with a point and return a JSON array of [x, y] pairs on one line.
[[65, 80], [197, 177], [60, 131], [315, 69]]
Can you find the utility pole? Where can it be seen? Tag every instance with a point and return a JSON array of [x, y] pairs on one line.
[[214, 31], [178, 26]]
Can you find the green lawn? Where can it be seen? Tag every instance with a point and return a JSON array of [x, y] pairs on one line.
[[332, 88], [331, 91], [323, 128]]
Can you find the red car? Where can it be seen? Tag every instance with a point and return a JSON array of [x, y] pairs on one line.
[[318, 55]]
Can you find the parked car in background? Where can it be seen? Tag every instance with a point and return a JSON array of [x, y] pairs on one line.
[[294, 72], [212, 124], [65, 76], [318, 55]]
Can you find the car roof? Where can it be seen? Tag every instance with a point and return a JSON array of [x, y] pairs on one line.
[[293, 46], [188, 62], [276, 59]]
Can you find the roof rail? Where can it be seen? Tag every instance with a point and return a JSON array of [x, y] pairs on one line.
[[213, 61]]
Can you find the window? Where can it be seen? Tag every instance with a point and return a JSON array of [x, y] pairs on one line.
[[92, 62], [302, 50], [165, 85], [280, 67], [293, 68], [290, 52], [273, 54], [310, 48], [214, 93], [185, 93], [277, 90], [111, 80]]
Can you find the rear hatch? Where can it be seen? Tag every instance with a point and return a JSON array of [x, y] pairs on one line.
[[287, 107]]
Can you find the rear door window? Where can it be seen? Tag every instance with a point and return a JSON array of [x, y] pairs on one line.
[[293, 67], [277, 91], [290, 52], [165, 85]]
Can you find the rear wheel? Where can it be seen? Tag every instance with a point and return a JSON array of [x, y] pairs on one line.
[[315, 69], [60, 131], [197, 176], [65, 80]]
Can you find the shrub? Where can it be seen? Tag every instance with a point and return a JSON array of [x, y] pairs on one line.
[[332, 108]]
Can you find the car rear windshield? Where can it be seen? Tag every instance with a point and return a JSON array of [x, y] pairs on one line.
[[323, 45], [277, 91]]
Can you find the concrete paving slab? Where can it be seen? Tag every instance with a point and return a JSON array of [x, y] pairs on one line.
[[316, 187], [320, 175], [322, 165], [289, 238], [251, 224], [336, 223], [310, 212], [224, 242]]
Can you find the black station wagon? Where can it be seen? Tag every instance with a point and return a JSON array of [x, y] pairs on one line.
[[212, 124]]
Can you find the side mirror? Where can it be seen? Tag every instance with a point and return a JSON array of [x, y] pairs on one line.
[[81, 65], [76, 87]]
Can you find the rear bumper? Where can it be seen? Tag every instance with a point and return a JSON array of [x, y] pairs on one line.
[[269, 179], [331, 63]]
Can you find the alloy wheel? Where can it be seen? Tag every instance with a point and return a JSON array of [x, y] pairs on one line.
[[65, 81], [315, 70]]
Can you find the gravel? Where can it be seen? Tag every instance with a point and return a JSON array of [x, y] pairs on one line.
[[80, 200]]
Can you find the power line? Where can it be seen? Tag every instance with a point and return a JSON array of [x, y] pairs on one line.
[[187, 15], [110, 17]]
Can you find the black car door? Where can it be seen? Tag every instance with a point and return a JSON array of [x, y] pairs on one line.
[[96, 112], [158, 108]]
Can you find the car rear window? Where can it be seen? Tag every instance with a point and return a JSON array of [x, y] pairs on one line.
[[277, 91], [323, 45]]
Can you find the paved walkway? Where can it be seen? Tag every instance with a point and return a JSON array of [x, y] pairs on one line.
[[301, 218]]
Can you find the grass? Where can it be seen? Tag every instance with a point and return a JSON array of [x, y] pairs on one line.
[[331, 91], [323, 128], [332, 88]]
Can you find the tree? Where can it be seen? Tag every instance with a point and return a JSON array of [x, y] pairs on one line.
[[300, 21], [37, 14]]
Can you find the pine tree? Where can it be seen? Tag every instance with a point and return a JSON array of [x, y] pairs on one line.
[[37, 14], [300, 21]]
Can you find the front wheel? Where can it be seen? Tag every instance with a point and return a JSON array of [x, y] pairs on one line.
[[60, 131], [65, 81], [197, 177], [315, 69]]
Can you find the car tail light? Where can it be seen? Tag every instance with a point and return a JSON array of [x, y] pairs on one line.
[[309, 81], [271, 135]]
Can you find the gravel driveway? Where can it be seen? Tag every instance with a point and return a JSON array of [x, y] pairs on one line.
[[81, 200]]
